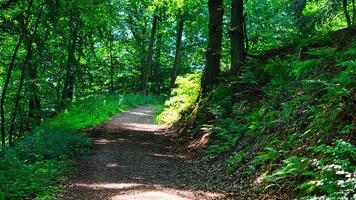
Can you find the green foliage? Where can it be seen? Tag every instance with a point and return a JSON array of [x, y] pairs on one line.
[[267, 156], [94, 110], [227, 133], [220, 103], [32, 168], [235, 160], [306, 100], [305, 67], [182, 98], [330, 173]]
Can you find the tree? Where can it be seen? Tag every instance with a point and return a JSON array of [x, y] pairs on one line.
[[177, 56], [237, 36], [68, 89], [213, 53], [23, 27], [147, 68]]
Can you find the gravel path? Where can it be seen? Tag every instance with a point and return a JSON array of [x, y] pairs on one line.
[[132, 158]]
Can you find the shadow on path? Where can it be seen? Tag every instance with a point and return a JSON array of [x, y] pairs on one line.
[[133, 159]]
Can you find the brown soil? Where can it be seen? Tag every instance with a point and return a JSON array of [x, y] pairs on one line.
[[132, 158]]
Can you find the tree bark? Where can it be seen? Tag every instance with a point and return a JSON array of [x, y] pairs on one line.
[[237, 37], [174, 73], [346, 13], [213, 53], [112, 67], [149, 55], [68, 89]]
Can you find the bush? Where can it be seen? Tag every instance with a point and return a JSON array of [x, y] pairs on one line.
[[32, 168], [182, 97]]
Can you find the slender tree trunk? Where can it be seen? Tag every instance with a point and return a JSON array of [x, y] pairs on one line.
[[8, 76], [353, 13], [213, 53], [19, 90], [237, 37], [157, 71], [149, 55], [174, 73], [27, 66], [112, 67], [4, 91], [346, 13], [34, 103], [68, 89]]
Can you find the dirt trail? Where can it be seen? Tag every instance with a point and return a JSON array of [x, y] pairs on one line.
[[133, 159]]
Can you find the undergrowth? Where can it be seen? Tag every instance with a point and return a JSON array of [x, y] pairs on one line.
[[182, 97], [36, 165], [292, 120]]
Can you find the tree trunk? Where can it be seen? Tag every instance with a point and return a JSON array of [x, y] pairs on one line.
[[26, 66], [4, 91], [34, 103], [149, 55], [346, 13], [112, 67], [157, 71], [68, 89], [213, 53], [178, 52], [237, 37], [353, 13], [8, 76], [18, 93]]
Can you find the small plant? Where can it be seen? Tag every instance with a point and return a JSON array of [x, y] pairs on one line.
[[269, 155], [304, 67], [332, 174], [235, 160]]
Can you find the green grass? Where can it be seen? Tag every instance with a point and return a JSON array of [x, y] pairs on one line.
[[36, 166]]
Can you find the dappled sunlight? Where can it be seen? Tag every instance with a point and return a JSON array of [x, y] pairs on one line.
[[133, 159], [114, 165], [117, 186], [141, 127], [151, 195], [106, 141], [140, 113], [128, 191]]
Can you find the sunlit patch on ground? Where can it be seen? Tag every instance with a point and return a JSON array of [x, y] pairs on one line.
[[140, 113], [108, 185], [141, 127], [151, 195]]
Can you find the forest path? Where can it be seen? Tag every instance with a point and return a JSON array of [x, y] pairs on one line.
[[132, 158]]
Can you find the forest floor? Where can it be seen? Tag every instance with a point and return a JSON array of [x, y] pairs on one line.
[[134, 158]]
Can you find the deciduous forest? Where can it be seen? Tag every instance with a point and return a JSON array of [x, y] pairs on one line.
[[177, 99]]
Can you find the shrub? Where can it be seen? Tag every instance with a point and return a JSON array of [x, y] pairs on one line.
[[329, 173], [182, 98]]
